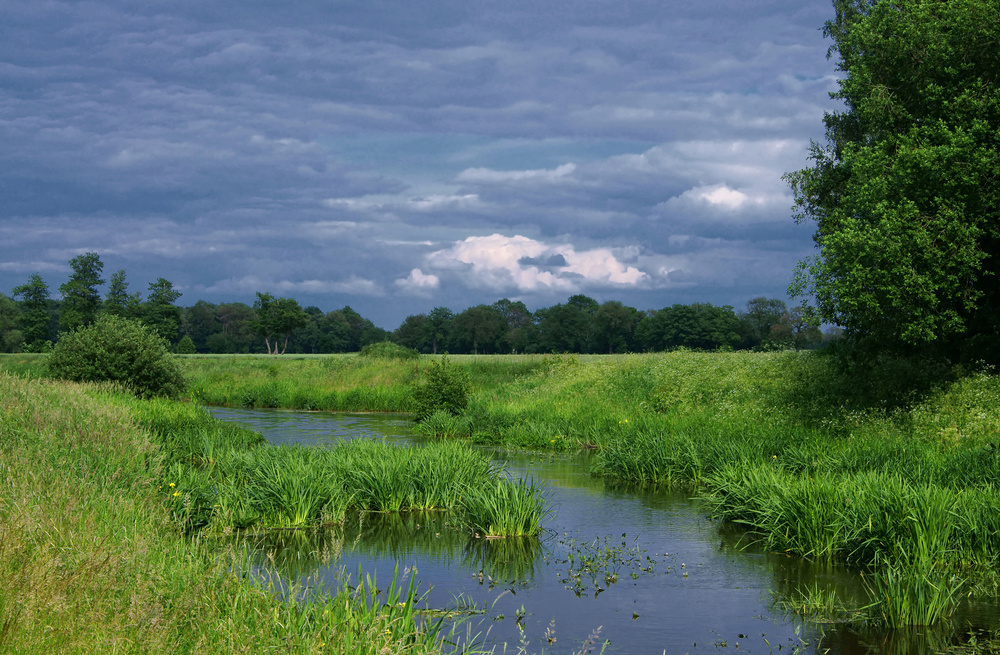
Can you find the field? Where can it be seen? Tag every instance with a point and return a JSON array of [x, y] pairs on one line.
[[893, 471]]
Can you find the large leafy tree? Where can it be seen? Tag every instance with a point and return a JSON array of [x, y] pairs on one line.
[[80, 298], [118, 301], [276, 319], [159, 311], [34, 295], [905, 192], [478, 329], [10, 321]]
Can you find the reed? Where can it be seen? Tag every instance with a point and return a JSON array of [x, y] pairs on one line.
[[506, 507]]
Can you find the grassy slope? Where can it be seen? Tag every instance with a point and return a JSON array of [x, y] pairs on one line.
[[91, 560]]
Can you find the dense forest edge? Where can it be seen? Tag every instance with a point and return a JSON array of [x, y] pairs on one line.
[[32, 321]]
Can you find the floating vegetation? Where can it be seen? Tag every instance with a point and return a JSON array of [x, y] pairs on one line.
[[596, 565]]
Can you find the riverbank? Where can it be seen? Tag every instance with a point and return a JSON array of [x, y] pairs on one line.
[[893, 471], [93, 559]]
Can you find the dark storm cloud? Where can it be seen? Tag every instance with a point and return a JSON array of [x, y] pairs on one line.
[[354, 151]]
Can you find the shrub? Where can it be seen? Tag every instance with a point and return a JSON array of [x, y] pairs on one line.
[[388, 350], [119, 350], [444, 388], [186, 346]]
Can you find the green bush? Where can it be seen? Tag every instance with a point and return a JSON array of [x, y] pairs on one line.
[[119, 350], [443, 388], [186, 346], [388, 350]]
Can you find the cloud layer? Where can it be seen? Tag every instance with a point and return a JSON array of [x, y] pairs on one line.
[[395, 156]]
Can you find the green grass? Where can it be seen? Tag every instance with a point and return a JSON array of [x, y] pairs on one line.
[[91, 559], [811, 457]]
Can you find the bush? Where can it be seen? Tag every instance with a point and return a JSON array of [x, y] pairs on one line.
[[388, 350], [444, 388], [119, 350], [186, 346]]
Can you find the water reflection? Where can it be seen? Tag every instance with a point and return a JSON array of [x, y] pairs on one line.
[[644, 568]]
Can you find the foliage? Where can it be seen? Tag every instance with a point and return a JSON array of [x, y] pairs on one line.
[[185, 346], [34, 313], [444, 387], [388, 350], [118, 300], [276, 318], [702, 326], [117, 349], [81, 300], [904, 191], [159, 312], [11, 336]]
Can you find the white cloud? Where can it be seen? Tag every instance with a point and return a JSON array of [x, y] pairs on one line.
[[501, 263], [436, 202], [418, 283], [250, 284], [558, 174]]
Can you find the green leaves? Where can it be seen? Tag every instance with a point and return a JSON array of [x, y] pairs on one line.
[[905, 193]]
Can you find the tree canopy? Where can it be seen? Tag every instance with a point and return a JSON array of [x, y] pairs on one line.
[[905, 192], [81, 299]]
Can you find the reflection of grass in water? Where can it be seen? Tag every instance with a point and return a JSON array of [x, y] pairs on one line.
[[496, 560], [297, 554]]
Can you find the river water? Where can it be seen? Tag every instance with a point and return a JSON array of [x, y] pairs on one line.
[[631, 571]]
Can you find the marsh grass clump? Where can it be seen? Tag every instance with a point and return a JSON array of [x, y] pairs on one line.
[[90, 556], [506, 507]]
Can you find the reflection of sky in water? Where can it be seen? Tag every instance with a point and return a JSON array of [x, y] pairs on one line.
[[702, 588]]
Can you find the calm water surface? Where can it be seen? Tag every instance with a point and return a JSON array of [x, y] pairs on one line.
[[644, 571]]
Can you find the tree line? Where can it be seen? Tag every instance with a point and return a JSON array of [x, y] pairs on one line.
[[31, 320]]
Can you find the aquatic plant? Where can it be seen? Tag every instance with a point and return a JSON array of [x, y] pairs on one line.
[[505, 507]]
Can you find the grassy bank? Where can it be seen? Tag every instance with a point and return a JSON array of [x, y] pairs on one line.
[[332, 382], [893, 469], [92, 560]]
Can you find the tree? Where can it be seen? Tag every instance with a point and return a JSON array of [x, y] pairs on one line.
[[614, 326], [200, 322], [567, 327], [34, 313], [237, 335], [118, 301], [159, 312], [80, 298], [799, 327], [519, 324], [439, 326], [701, 325], [276, 318], [413, 333], [756, 322], [904, 192], [10, 321], [478, 327]]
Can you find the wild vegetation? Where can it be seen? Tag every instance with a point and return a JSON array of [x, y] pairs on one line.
[[91, 559]]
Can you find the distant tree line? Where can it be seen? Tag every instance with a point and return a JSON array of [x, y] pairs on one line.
[[32, 321]]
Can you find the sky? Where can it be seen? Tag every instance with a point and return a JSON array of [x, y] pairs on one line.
[[396, 156]]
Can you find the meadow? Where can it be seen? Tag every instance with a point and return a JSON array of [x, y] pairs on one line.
[[891, 469]]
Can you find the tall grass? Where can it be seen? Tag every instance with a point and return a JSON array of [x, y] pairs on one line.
[[91, 560]]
